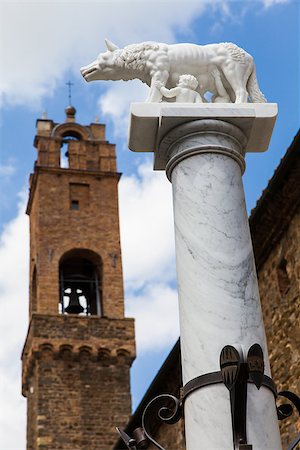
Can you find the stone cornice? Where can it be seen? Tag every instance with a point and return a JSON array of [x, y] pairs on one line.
[[98, 339]]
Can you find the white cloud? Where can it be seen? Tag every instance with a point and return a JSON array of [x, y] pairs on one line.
[[44, 39], [147, 231], [115, 103], [147, 240], [156, 317], [14, 252], [40, 41], [8, 169], [269, 3]]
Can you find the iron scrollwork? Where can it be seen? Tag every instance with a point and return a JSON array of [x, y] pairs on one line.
[[285, 410], [167, 408], [235, 373]]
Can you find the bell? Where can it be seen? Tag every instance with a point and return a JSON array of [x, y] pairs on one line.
[[74, 306]]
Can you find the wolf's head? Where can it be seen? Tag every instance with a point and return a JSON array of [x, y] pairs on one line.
[[105, 66]]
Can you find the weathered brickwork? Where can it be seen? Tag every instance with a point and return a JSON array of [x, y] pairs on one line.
[[279, 284], [113, 338], [75, 368], [77, 400], [56, 228], [94, 227], [171, 436], [275, 229]]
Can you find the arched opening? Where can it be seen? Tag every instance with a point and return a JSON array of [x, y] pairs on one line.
[[67, 137], [80, 283]]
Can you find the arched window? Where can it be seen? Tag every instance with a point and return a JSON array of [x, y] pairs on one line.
[[80, 283], [67, 136]]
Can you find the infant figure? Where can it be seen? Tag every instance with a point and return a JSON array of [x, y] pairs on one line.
[[184, 92]]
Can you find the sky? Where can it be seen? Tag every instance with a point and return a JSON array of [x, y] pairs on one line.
[[42, 46]]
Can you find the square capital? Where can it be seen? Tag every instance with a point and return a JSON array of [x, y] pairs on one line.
[[150, 122]]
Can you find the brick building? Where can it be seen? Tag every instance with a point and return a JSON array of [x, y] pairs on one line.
[[79, 347]]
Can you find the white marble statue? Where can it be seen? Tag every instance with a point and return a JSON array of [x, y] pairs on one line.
[[184, 92], [225, 70], [186, 89]]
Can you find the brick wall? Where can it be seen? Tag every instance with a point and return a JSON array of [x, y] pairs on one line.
[[76, 380], [56, 228], [279, 285], [75, 369], [77, 400]]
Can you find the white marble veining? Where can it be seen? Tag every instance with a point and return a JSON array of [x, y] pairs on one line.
[[202, 149], [201, 136], [218, 297]]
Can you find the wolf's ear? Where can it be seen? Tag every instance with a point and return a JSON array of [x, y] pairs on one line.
[[110, 46]]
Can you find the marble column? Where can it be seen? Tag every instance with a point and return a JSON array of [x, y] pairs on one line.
[[217, 284]]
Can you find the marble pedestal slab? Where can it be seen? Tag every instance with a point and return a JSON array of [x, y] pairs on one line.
[[203, 154], [150, 122]]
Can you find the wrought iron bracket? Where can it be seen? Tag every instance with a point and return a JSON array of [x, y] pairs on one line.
[[235, 373], [285, 410], [167, 408]]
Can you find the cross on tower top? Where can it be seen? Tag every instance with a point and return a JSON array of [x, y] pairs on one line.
[[70, 84]]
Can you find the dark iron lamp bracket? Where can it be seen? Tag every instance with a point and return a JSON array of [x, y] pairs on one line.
[[235, 373]]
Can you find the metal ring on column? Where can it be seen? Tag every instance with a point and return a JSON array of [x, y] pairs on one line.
[[214, 378], [180, 142]]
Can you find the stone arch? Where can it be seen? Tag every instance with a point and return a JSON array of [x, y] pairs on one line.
[[85, 353], [71, 129], [66, 352], [80, 281], [104, 353], [46, 351], [70, 135]]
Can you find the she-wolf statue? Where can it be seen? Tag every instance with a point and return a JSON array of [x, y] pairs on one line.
[[225, 70]]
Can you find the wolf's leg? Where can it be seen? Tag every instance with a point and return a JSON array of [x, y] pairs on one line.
[[155, 95], [235, 76], [222, 96]]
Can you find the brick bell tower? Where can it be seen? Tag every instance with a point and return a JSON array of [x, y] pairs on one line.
[[79, 346]]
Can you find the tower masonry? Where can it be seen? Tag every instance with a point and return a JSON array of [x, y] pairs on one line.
[[79, 346]]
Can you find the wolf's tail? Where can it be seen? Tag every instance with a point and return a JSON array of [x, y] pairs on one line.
[[253, 89]]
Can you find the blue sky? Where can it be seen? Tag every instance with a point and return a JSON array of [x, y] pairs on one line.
[[43, 45]]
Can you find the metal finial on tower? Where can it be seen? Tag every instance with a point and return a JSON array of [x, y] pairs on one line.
[[70, 84], [70, 110]]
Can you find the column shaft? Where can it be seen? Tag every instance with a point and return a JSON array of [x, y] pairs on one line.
[[218, 291]]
